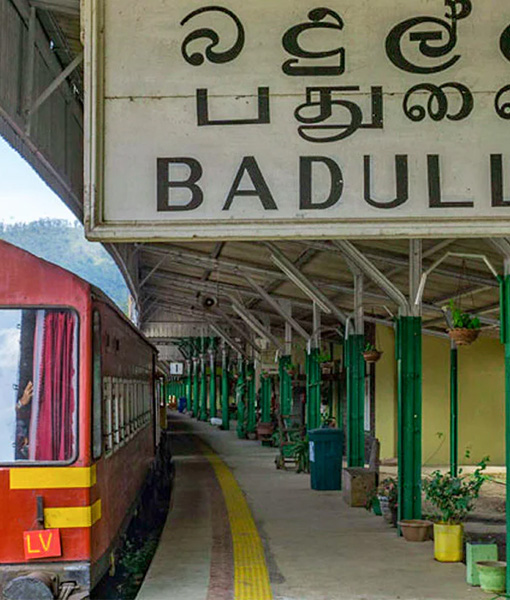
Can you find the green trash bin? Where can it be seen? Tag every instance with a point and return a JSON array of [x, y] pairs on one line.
[[326, 458]]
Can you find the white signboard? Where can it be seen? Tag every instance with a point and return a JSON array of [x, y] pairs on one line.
[[176, 368], [253, 120]]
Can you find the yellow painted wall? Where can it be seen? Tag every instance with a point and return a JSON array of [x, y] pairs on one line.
[[481, 400], [386, 393]]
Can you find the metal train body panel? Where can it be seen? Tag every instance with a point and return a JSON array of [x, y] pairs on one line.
[[89, 496]]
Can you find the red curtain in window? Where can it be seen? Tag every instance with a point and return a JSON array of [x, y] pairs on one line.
[[54, 436]]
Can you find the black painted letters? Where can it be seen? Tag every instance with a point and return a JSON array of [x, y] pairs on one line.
[[260, 188], [164, 184], [306, 186]]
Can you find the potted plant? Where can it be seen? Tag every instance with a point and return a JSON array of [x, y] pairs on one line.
[[325, 363], [371, 354], [387, 494], [301, 454], [291, 369], [373, 504], [453, 497], [466, 328], [492, 576], [416, 530]]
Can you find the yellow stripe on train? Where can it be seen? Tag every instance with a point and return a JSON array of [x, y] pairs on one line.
[[35, 478], [72, 516]]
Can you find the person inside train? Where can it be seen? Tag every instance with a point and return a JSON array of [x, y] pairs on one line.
[[38, 384]]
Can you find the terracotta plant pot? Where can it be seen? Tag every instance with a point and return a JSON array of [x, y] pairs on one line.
[[372, 356], [416, 530], [462, 336]]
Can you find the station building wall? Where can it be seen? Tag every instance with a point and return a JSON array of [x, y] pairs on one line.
[[481, 400]]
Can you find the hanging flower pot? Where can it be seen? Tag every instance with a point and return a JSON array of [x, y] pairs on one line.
[[463, 336], [327, 367], [371, 354], [466, 328]]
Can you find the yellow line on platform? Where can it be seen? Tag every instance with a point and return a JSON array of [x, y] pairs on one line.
[[251, 578]]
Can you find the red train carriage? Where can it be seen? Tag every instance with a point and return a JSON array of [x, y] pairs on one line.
[[78, 422]]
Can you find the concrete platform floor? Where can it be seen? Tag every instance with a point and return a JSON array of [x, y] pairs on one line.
[[316, 547]]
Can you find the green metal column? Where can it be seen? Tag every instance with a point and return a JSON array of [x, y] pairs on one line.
[[225, 413], [313, 400], [251, 417], [240, 400], [195, 387], [340, 417], [454, 411], [505, 339], [408, 353], [355, 365], [285, 387], [203, 381], [213, 408], [265, 399], [188, 385], [195, 352]]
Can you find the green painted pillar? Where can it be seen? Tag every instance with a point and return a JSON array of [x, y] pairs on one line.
[[195, 387], [454, 411], [225, 413], [203, 380], [251, 417], [313, 379], [505, 339], [265, 399], [213, 408], [196, 365], [240, 400], [355, 365], [285, 387], [409, 369]]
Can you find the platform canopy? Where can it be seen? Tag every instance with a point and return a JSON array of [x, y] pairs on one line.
[[176, 280]]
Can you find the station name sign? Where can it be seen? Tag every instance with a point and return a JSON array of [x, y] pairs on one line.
[[293, 119]]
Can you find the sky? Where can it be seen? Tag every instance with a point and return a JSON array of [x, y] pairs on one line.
[[24, 196]]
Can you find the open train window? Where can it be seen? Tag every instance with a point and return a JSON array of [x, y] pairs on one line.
[[38, 385], [97, 386]]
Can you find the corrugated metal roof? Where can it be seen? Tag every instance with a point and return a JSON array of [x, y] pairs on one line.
[[177, 277]]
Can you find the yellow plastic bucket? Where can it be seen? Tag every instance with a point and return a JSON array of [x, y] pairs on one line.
[[448, 542]]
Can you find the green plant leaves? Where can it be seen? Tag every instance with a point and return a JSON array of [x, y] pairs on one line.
[[462, 320], [454, 496]]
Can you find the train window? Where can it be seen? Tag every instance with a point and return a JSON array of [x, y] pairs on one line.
[[122, 410], [107, 416], [133, 407], [38, 385], [127, 412], [138, 404], [115, 411], [97, 386]]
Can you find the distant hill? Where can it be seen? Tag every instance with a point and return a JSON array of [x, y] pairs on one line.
[[64, 244]]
